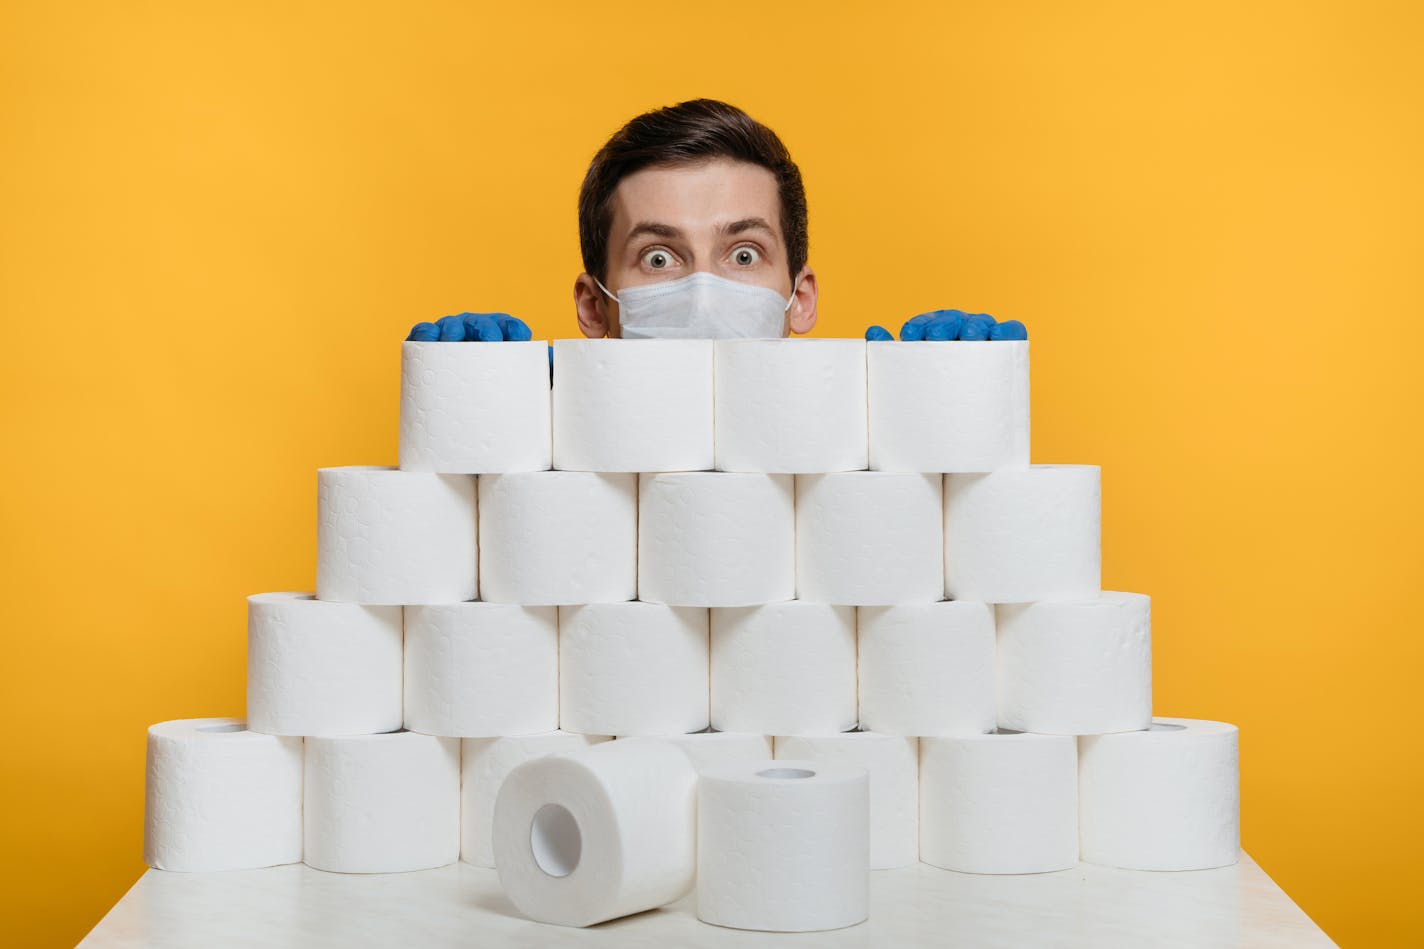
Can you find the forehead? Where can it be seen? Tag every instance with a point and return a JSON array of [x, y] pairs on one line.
[[695, 196]]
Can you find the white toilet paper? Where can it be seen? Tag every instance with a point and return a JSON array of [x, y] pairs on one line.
[[632, 668], [386, 536], [952, 406], [382, 803], [708, 748], [716, 538], [1167, 798], [474, 408], [999, 803], [1015, 536], [783, 846], [1076, 667], [784, 668], [317, 667], [481, 669], [552, 537], [927, 668], [869, 537], [633, 405], [790, 405], [219, 797], [484, 764], [893, 764], [590, 835]]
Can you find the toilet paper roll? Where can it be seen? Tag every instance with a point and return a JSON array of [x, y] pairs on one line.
[[386, 536], [1015, 536], [893, 764], [787, 405], [1000, 803], [484, 764], [632, 668], [927, 668], [783, 846], [784, 669], [220, 797], [633, 405], [552, 537], [1167, 798], [716, 538], [317, 667], [708, 748], [869, 537], [960, 406], [481, 669], [590, 835], [1076, 667], [474, 409], [382, 803]]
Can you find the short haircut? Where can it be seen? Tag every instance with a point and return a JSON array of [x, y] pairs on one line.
[[691, 131]]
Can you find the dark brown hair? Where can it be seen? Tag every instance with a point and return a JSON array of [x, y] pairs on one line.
[[687, 132]]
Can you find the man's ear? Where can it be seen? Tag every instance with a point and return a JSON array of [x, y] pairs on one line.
[[592, 307], [802, 315]]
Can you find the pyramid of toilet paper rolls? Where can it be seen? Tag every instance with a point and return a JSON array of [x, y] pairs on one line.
[[820, 550]]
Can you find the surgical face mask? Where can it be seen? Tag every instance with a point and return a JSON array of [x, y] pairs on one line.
[[700, 306]]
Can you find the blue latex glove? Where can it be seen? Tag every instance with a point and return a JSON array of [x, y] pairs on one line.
[[952, 324], [472, 327]]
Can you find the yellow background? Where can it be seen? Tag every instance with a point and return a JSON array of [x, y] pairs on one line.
[[218, 220]]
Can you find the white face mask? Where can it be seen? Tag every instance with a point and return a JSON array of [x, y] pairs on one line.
[[700, 306]]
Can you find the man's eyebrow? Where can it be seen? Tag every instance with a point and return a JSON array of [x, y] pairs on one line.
[[748, 224], [656, 228]]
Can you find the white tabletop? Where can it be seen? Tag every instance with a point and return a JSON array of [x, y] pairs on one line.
[[461, 905]]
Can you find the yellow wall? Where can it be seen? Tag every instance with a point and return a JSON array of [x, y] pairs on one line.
[[217, 221]]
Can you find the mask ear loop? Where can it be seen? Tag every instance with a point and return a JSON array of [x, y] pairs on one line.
[[606, 290], [796, 283]]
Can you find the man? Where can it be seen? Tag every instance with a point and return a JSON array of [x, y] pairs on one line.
[[692, 223]]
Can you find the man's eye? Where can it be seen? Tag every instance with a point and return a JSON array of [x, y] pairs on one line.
[[746, 256], [657, 259]]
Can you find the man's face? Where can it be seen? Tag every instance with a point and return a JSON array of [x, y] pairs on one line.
[[719, 215]]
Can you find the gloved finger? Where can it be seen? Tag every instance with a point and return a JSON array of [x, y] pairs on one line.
[[1009, 329], [424, 333], [914, 327], [482, 327], [943, 324], [452, 329], [515, 329], [984, 316], [878, 333], [974, 328]]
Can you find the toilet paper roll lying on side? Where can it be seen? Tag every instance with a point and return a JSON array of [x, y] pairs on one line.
[[317, 667], [553, 537], [708, 749], [481, 669], [633, 405], [1016, 536], [716, 538], [382, 803], [1167, 798], [956, 406], [632, 668], [784, 668], [783, 846], [869, 537], [474, 409], [590, 835], [219, 797], [484, 764], [386, 536], [893, 764], [790, 405], [1000, 803], [927, 668], [1076, 667]]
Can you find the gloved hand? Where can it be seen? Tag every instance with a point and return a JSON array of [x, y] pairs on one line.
[[952, 324], [472, 327]]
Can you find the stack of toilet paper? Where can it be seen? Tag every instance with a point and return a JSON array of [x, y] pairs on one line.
[[821, 576]]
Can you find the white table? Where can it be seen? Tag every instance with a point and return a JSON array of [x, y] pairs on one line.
[[461, 905]]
